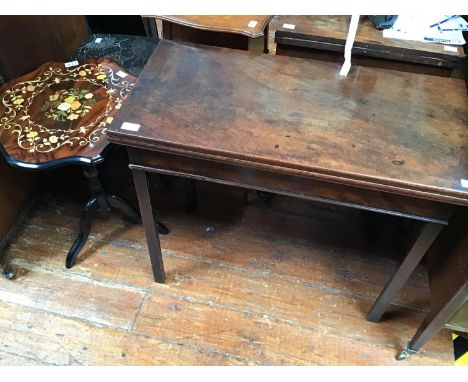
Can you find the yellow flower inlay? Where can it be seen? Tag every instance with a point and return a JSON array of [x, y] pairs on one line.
[[32, 134], [70, 99], [75, 105]]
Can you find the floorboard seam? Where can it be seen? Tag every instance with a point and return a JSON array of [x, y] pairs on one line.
[[137, 314], [71, 274]]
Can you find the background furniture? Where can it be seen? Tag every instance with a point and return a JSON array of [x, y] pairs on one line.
[[40, 39], [58, 115], [237, 32], [448, 281], [131, 52], [314, 135], [324, 38], [57, 38]]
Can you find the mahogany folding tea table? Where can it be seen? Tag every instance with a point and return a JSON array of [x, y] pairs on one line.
[[378, 140]]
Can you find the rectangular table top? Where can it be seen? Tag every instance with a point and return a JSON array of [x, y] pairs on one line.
[[333, 30], [379, 129]]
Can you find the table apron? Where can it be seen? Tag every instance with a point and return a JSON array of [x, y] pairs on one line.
[[289, 185]]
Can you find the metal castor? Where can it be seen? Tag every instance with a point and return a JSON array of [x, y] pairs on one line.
[[9, 273], [406, 353]]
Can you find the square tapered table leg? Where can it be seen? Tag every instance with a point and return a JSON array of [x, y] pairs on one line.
[[149, 223], [426, 236]]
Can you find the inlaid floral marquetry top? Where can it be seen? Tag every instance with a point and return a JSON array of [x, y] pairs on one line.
[[57, 112]]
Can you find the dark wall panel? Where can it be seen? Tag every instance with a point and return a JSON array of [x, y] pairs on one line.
[[28, 41]]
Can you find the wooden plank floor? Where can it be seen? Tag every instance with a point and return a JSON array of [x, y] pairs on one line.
[[281, 283]]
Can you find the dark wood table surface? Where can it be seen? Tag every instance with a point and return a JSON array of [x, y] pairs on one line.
[[379, 140], [318, 35]]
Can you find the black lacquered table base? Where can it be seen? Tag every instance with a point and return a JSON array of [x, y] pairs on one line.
[[100, 202]]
